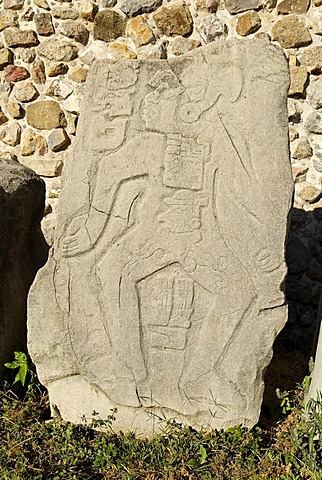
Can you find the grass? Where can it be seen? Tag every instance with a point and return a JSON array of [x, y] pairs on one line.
[[286, 445]]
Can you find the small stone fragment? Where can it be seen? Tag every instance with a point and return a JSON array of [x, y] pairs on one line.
[[317, 22], [136, 7], [58, 140], [44, 24], [25, 92], [312, 57], [41, 4], [27, 15], [108, 25], [139, 30], [211, 29], [317, 3], [302, 149], [10, 134], [26, 55], [107, 3], [298, 80], [299, 173], [14, 37], [3, 118], [49, 167], [293, 133], [72, 103], [57, 69], [293, 6], [8, 19], [60, 89], [13, 73], [13, 4], [75, 30], [71, 123], [95, 51], [45, 115], [15, 109], [32, 143], [237, 6], [64, 13], [88, 10], [58, 49], [174, 19], [120, 51], [291, 32], [308, 192], [211, 5], [180, 45], [78, 75], [317, 164], [153, 51], [248, 22], [6, 57], [38, 73], [313, 123], [9, 156], [314, 93]]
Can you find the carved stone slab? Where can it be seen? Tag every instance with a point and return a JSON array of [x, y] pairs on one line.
[[162, 296], [23, 250]]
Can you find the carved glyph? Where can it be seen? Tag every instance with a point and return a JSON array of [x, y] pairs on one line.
[[163, 293]]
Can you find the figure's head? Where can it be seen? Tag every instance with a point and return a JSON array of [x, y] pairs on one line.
[[160, 104]]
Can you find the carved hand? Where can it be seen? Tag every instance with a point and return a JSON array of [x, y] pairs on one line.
[[77, 239]]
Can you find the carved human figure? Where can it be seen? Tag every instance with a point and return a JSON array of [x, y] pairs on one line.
[[173, 171]]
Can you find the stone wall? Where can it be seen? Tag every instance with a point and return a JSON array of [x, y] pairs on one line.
[[47, 47]]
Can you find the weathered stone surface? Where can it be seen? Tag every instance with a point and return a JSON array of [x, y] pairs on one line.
[[120, 51], [211, 5], [8, 19], [75, 30], [293, 6], [95, 51], [317, 3], [42, 4], [136, 7], [14, 109], [32, 143], [174, 19], [14, 37], [3, 118], [312, 57], [10, 133], [38, 72], [313, 123], [44, 24], [13, 73], [314, 93], [78, 75], [57, 69], [155, 51], [108, 25], [58, 140], [163, 294], [298, 80], [307, 192], [88, 10], [22, 250], [316, 376], [13, 4], [24, 92], [60, 89], [302, 149], [46, 167], [45, 115], [211, 29], [139, 31], [58, 50], [6, 57], [237, 6], [291, 32], [27, 55], [181, 45], [64, 13], [248, 22]]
